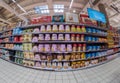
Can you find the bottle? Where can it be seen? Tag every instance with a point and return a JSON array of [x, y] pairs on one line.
[[65, 65], [74, 47], [73, 28], [37, 57], [80, 47], [55, 28], [60, 57], [83, 55], [35, 48], [69, 48], [82, 37], [67, 28], [73, 65], [37, 64], [54, 36], [49, 57], [72, 56], [48, 29], [73, 37], [42, 29], [31, 54], [89, 38], [67, 57], [43, 57], [54, 65], [84, 47], [77, 56], [78, 29], [47, 48], [36, 30], [54, 47], [78, 37], [43, 64], [40, 48], [67, 37], [60, 37], [83, 29], [35, 39], [62, 48], [59, 65], [41, 37], [49, 64], [47, 37], [61, 28]]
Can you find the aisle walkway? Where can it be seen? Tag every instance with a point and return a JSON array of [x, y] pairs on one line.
[[106, 73]]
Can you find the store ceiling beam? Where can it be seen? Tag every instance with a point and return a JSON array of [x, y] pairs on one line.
[[5, 21], [96, 2], [6, 6], [85, 7]]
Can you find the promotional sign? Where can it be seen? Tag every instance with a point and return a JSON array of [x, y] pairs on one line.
[[58, 18]]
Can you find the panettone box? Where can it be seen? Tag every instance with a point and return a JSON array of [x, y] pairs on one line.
[[71, 17]]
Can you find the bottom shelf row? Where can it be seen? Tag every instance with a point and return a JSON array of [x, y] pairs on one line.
[[60, 65]]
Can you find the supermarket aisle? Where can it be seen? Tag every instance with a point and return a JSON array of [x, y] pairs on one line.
[[106, 73]]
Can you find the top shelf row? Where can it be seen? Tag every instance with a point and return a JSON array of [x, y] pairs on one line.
[[57, 23], [64, 24]]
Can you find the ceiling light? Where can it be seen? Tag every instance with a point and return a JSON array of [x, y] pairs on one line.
[[14, 1], [74, 11], [71, 4], [41, 9], [58, 8]]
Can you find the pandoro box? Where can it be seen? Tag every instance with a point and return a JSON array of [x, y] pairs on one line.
[[71, 17]]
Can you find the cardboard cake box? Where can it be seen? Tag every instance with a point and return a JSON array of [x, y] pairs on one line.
[[42, 19], [71, 17]]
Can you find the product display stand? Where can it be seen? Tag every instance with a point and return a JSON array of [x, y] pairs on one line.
[[59, 46]]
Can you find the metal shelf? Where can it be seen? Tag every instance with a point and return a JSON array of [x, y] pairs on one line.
[[58, 42], [57, 23], [61, 70], [56, 52], [84, 33], [69, 60], [6, 31]]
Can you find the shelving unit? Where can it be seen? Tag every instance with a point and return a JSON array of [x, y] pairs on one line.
[[62, 69], [93, 34], [59, 54]]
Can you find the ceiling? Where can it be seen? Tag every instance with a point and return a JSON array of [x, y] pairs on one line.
[[12, 12]]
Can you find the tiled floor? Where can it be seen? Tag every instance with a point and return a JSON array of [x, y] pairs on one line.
[[106, 73]]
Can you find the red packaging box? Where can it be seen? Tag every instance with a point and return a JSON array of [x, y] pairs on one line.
[[42, 19]]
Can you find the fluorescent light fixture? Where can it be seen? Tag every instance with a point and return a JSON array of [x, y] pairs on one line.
[[74, 11], [14, 1], [42, 9], [71, 3], [58, 8]]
